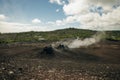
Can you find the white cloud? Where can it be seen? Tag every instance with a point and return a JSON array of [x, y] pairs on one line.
[[79, 11], [103, 2], [110, 21], [70, 19], [36, 21], [57, 10], [56, 1], [59, 2], [82, 6], [12, 23], [2, 17], [75, 7], [12, 27], [76, 11], [50, 22], [59, 22], [6, 27]]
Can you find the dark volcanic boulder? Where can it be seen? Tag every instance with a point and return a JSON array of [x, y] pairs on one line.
[[47, 51], [61, 46]]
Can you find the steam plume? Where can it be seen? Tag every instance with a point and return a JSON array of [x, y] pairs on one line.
[[87, 41], [77, 43]]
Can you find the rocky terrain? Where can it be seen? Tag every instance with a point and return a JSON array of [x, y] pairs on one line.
[[100, 61]]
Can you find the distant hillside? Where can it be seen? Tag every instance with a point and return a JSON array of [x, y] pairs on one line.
[[53, 35]]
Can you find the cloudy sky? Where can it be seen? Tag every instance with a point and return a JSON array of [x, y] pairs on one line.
[[46, 15]]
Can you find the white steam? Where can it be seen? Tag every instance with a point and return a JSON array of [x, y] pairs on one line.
[[77, 43], [87, 41]]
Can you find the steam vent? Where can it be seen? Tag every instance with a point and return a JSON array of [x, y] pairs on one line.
[[47, 51], [62, 47], [59, 39]]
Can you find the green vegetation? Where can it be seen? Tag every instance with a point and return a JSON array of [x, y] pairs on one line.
[[113, 35], [53, 35]]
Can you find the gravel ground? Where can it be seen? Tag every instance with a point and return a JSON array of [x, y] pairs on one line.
[[57, 70], [98, 62]]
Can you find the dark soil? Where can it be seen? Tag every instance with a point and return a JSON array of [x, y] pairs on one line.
[[100, 61]]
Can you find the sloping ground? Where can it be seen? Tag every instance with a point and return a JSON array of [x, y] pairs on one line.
[[96, 62], [51, 36]]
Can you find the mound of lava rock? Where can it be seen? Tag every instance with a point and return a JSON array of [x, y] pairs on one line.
[[61, 46], [47, 51]]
